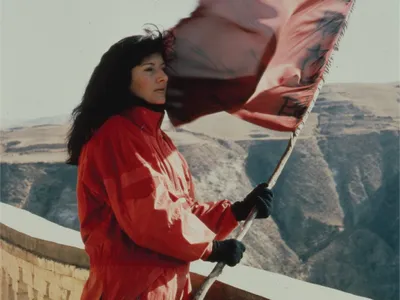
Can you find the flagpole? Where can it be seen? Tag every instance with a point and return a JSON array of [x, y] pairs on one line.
[[202, 291]]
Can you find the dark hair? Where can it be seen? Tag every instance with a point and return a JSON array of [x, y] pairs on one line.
[[107, 92]]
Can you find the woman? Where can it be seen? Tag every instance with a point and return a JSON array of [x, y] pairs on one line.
[[140, 222]]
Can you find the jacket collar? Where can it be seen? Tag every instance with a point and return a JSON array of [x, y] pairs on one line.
[[145, 118]]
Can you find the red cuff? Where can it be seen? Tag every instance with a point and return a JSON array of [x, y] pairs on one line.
[[208, 251]]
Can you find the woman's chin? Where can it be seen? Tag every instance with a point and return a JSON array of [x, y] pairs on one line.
[[159, 101], [156, 99]]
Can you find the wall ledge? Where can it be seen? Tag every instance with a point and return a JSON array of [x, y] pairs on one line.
[[27, 237]]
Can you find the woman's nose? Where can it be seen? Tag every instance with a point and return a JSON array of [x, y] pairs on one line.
[[162, 77]]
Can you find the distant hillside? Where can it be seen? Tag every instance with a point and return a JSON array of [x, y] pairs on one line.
[[7, 123], [336, 212]]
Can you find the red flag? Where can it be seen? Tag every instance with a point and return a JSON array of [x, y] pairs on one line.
[[260, 60]]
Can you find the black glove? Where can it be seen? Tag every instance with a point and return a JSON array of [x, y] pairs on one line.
[[229, 252], [261, 197]]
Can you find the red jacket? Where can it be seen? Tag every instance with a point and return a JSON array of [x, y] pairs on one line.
[[140, 222]]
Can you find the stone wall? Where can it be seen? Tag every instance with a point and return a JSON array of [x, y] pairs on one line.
[[35, 263], [25, 275], [42, 260]]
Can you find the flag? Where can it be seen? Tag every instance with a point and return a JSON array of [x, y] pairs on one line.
[[259, 60]]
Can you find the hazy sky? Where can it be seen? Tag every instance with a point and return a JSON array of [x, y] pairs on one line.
[[50, 47]]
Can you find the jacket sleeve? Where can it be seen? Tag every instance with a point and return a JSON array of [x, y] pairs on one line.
[[216, 215], [141, 202]]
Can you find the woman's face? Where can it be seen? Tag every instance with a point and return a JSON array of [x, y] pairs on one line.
[[149, 80]]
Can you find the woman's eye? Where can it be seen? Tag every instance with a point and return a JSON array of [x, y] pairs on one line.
[[149, 70]]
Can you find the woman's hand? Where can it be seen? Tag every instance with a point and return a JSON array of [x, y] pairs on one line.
[[261, 198], [229, 252]]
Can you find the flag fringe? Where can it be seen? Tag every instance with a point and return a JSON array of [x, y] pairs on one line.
[[338, 40]]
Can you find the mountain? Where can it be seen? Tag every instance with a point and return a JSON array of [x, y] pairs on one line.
[[335, 219], [7, 123]]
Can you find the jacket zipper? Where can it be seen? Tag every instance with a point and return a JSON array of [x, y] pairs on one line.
[[167, 165], [161, 144]]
